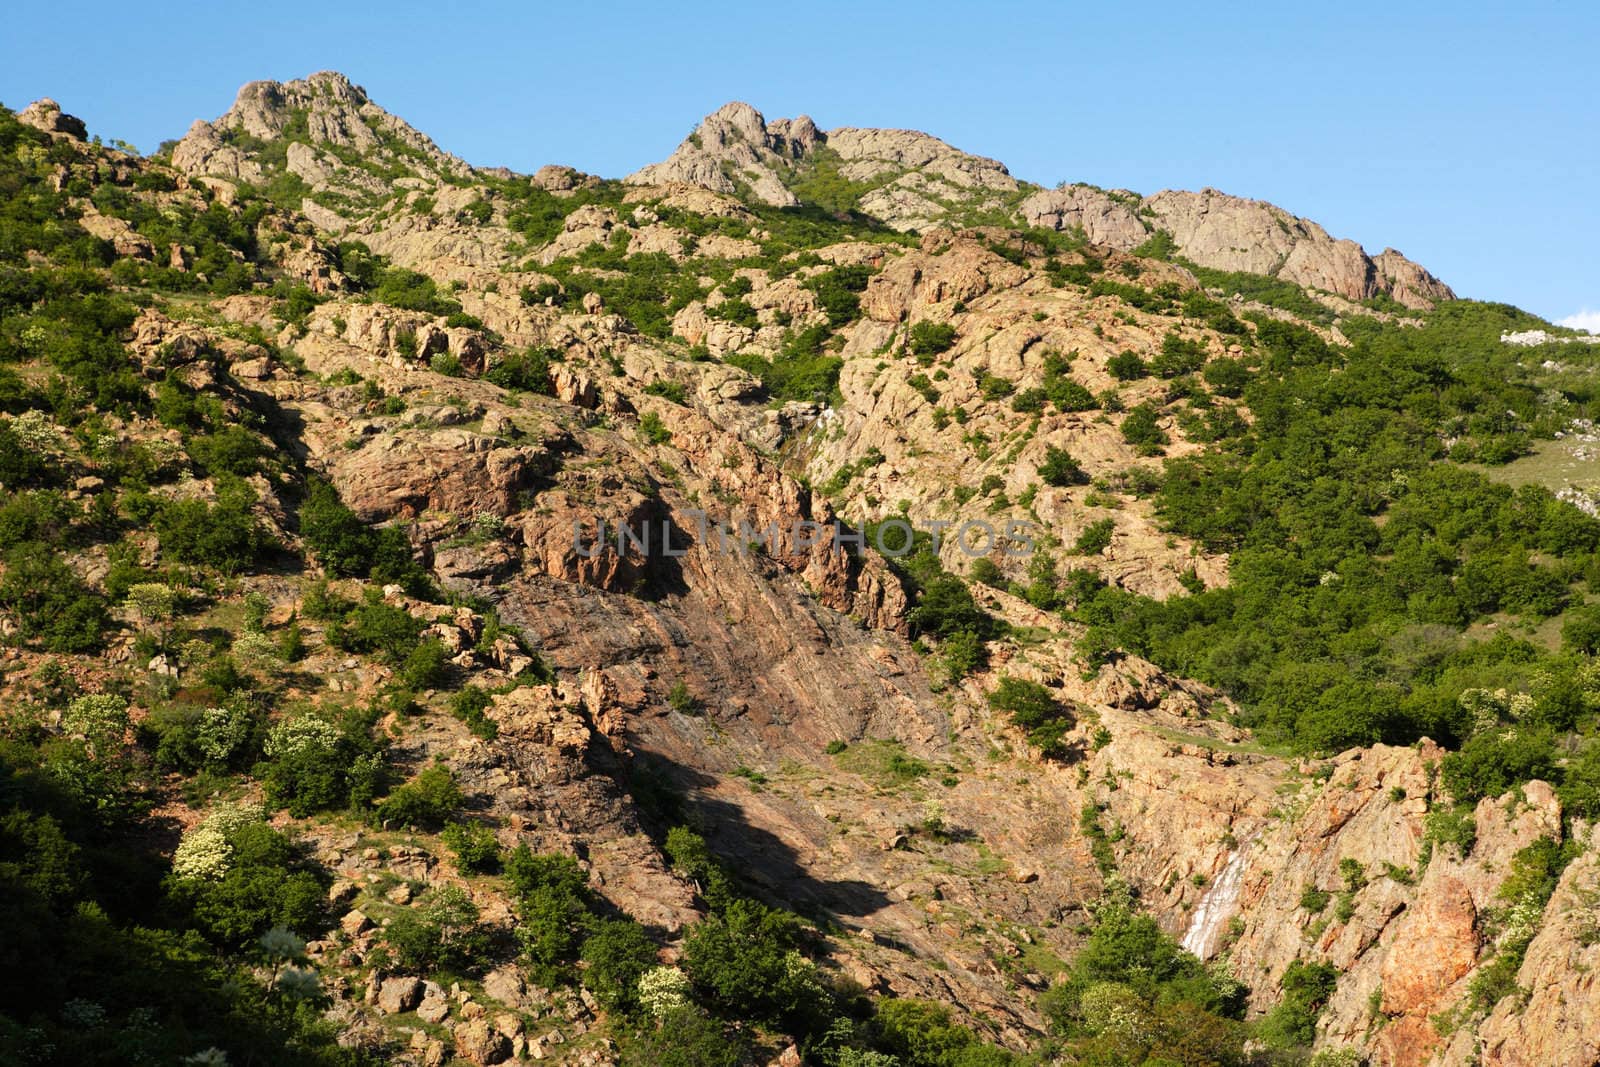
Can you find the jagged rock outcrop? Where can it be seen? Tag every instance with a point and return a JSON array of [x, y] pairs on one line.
[[45, 114], [916, 176], [734, 146], [1235, 234], [1105, 218], [324, 110]]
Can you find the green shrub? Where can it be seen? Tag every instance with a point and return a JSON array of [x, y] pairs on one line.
[[554, 907], [687, 1037], [225, 536], [1095, 537], [427, 666], [441, 932], [1313, 899], [428, 801], [474, 845], [469, 706], [653, 429], [375, 626], [740, 960], [264, 885], [668, 390], [1141, 428], [1126, 366], [1306, 989], [1060, 469], [1035, 710], [51, 603], [528, 370], [931, 338], [1178, 356], [616, 955]]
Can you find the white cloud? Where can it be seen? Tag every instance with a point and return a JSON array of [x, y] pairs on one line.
[[1583, 320]]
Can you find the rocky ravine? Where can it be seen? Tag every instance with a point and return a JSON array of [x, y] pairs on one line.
[[795, 647]]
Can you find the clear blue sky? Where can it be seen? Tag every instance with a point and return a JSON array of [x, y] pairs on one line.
[[1467, 135]]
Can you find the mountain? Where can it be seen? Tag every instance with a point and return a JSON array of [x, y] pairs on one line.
[[912, 181], [1258, 728]]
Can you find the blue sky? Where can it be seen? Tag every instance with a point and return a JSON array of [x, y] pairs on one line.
[[1466, 135]]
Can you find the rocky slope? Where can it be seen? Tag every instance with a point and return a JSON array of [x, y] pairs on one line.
[[778, 687]]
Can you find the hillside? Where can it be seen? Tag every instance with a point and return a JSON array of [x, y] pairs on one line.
[[1257, 729]]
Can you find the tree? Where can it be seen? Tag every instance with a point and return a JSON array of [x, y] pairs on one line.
[[51, 603], [1060, 469], [427, 801], [616, 954], [1036, 711]]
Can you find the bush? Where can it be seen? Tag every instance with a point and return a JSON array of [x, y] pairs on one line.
[[51, 603], [225, 536], [1306, 989], [262, 887], [1141, 428], [474, 845], [653, 429], [528, 370], [1126, 366], [428, 801], [616, 954], [1492, 762], [1095, 537], [1178, 357], [378, 627], [427, 666], [469, 706], [1313, 899], [742, 960], [1035, 710], [441, 932], [686, 1037], [554, 907], [313, 765], [932, 338], [341, 541], [1060, 469]]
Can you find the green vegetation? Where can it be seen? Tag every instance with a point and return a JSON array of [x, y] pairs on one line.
[[1133, 996], [1035, 710], [1362, 554]]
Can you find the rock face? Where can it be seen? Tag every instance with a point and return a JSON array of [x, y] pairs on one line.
[[1233, 234], [914, 176], [736, 137], [324, 109], [45, 114]]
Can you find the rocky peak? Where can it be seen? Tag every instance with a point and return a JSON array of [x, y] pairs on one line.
[[912, 176], [335, 125], [734, 145], [45, 114], [1232, 233]]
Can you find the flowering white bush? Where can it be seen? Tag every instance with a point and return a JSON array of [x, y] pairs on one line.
[[205, 853], [298, 736], [154, 601], [1111, 1007], [281, 943], [663, 990], [35, 430], [220, 732], [99, 718], [256, 648], [299, 983], [202, 855], [229, 819]]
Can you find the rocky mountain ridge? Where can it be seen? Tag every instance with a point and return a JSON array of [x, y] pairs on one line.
[[850, 772]]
